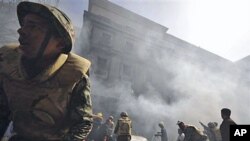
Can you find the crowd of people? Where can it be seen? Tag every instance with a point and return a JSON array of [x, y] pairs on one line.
[[109, 131], [210, 133]]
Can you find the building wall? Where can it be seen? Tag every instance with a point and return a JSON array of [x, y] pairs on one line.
[[123, 17], [121, 44], [8, 23]]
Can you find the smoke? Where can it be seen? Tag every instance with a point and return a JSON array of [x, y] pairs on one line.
[[198, 95], [190, 87]]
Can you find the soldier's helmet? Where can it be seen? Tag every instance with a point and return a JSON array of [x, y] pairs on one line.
[[124, 114], [161, 124], [111, 117], [59, 20]]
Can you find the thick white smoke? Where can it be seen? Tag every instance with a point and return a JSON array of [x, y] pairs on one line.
[[200, 95]]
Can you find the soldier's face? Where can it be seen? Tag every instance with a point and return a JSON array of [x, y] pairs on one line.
[[31, 35]]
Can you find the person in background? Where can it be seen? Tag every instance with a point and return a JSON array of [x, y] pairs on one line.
[[212, 131], [163, 133], [225, 125], [181, 135], [97, 122], [191, 132], [105, 132], [123, 127]]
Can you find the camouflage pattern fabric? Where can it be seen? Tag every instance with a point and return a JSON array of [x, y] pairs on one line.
[[123, 126], [80, 111], [55, 105]]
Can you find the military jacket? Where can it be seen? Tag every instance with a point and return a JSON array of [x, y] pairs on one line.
[[224, 128], [123, 126], [55, 104]]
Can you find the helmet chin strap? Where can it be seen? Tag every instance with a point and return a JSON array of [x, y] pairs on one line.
[[43, 46], [33, 62]]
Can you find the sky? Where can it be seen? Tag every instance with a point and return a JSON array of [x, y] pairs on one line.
[[219, 26]]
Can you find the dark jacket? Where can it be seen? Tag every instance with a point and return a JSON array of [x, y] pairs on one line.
[[224, 128]]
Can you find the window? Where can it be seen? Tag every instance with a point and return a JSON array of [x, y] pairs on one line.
[[126, 72], [102, 67], [106, 39]]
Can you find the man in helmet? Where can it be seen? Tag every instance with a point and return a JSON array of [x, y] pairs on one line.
[[44, 88], [106, 129], [123, 127]]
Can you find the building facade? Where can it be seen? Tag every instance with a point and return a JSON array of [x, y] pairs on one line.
[[126, 47]]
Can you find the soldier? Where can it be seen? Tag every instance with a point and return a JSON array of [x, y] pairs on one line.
[[44, 87], [123, 127], [191, 132], [110, 128], [225, 125], [106, 130]]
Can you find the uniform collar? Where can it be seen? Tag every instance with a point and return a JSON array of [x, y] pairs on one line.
[[47, 73]]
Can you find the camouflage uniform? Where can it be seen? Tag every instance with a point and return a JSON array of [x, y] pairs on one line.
[[105, 131], [55, 104], [119, 129]]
